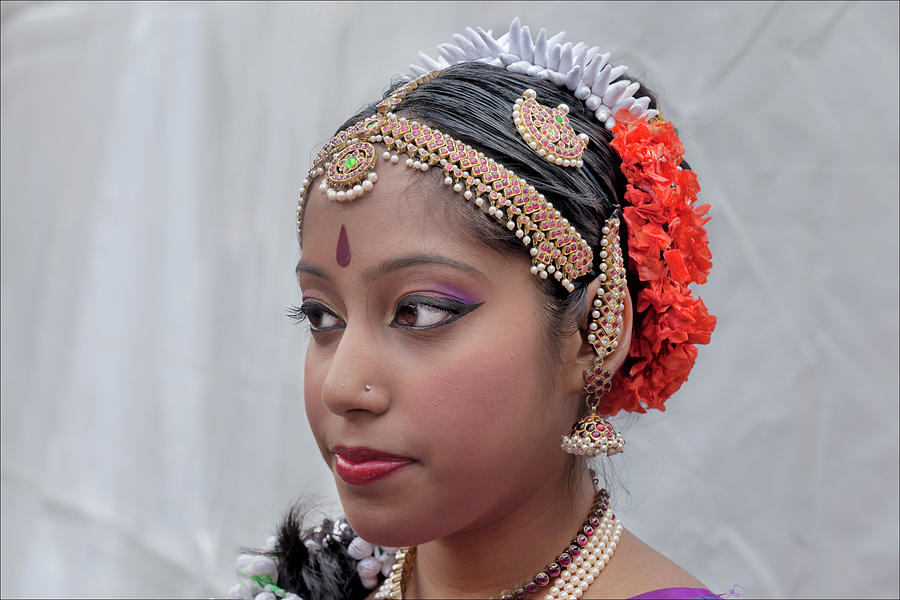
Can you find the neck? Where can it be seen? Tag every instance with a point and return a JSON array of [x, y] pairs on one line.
[[501, 555]]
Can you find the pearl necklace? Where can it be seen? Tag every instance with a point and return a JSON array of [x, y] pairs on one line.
[[574, 570]]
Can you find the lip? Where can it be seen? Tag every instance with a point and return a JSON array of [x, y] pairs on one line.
[[362, 466]]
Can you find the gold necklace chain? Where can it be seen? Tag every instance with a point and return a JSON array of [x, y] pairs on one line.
[[568, 577]]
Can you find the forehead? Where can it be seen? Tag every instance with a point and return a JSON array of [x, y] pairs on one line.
[[404, 213]]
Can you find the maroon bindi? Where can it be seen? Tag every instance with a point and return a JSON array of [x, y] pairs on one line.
[[342, 254]]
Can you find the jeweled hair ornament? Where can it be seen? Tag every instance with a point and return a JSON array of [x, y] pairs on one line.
[[547, 131]]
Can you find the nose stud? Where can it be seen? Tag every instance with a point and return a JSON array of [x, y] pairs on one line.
[[368, 388]]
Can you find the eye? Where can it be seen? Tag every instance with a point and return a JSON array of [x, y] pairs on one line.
[[320, 318], [420, 316], [429, 312]]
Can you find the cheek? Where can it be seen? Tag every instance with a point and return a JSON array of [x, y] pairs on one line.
[[313, 376], [483, 403]]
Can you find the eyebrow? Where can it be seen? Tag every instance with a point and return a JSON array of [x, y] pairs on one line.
[[395, 264]]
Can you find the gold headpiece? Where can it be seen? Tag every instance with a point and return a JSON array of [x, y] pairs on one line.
[[348, 163], [547, 131]]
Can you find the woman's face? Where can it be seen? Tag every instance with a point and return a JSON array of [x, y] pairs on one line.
[[446, 332]]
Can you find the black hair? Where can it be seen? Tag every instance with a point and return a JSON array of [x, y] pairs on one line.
[[325, 572]]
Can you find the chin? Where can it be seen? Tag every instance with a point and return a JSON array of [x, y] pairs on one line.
[[390, 527]]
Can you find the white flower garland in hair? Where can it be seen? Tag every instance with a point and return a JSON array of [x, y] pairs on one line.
[[372, 561], [582, 69], [258, 575]]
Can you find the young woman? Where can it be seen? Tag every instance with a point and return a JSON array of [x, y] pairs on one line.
[[496, 251]]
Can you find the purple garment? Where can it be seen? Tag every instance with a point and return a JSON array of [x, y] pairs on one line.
[[674, 593]]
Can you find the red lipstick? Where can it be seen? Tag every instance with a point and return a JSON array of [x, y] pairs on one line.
[[361, 466]]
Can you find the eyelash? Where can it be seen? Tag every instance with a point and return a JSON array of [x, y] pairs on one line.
[[454, 308], [302, 313], [296, 314]]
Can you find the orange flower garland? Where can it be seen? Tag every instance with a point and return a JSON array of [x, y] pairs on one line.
[[668, 250]]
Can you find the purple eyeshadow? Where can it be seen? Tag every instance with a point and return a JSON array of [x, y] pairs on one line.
[[454, 292]]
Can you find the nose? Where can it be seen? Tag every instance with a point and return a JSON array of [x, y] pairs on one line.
[[352, 385]]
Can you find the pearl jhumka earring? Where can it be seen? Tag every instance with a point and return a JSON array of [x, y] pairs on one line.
[[548, 132], [593, 435]]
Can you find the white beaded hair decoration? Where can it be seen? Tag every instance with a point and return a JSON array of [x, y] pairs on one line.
[[582, 69]]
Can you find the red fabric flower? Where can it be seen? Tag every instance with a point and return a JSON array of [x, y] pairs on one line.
[[668, 250]]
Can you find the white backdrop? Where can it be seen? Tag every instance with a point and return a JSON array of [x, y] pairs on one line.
[[152, 416]]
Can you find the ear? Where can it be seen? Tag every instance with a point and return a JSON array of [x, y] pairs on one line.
[[579, 354]]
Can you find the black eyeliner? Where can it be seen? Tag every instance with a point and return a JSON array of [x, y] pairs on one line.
[[307, 307], [456, 308]]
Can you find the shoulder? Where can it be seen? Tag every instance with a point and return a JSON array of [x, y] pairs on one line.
[[636, 568]]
